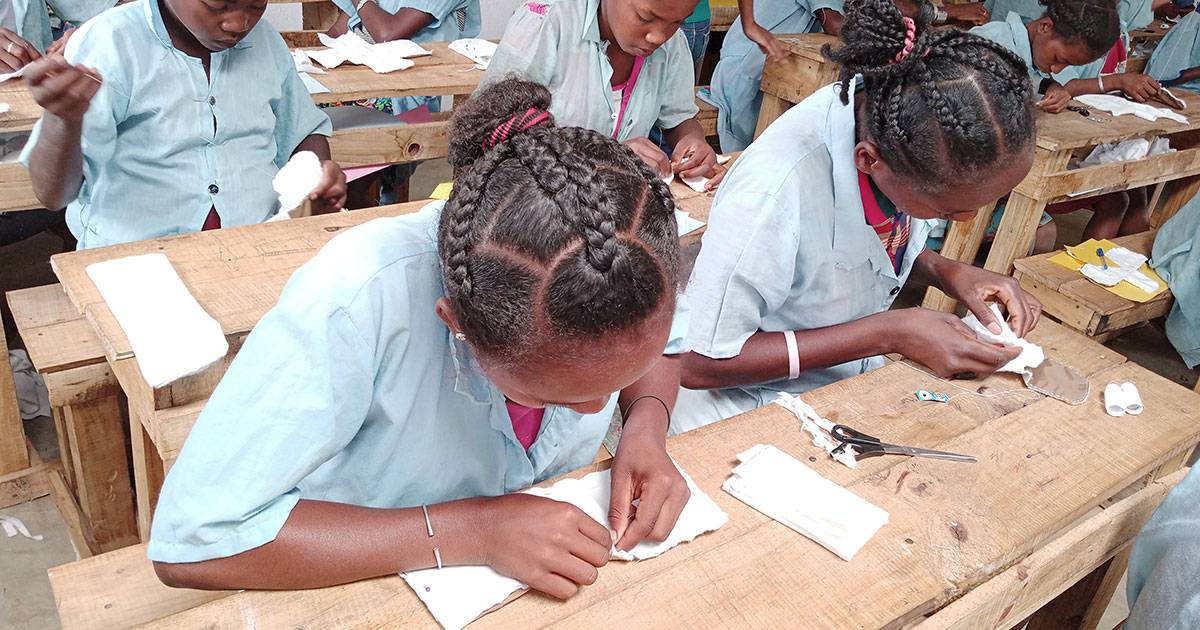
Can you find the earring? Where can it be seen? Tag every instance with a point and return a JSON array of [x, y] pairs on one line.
[[460, 336]]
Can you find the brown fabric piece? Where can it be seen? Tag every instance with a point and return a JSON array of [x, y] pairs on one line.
[[1058, 381]]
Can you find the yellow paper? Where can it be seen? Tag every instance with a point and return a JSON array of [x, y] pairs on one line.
[[1085, 252], [442, 191]]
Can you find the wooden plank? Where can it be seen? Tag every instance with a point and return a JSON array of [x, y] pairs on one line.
[[1180, 193], [1014, 237], [301, 39], [1059, 306], [1068, 130], [771, 109], [393, 144], [13, 455], [1026, 586], [16, 189], [79, 532], [148, 474], [318, 15], [64, 446], [24, 485], [81, 384], [962, 242], [23, 112], [1105, 178], [98, 452], [444, 73]]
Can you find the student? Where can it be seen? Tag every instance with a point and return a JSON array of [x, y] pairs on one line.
[[823, 218], [171, 116], [617, 67], [440, 360], [32, 18], [1165, 561], [1176, 258], [1176, 60]]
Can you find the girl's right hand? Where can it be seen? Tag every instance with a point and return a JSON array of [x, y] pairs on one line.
[[552, 546], [62, 89], [1137, 86], [944, 344]]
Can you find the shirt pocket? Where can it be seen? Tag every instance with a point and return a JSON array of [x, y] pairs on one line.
[[854, 289]]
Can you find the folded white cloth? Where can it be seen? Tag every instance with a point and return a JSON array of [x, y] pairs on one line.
[[33, 400], [382, 58], [686, 223], [480, 51], [816, 426], [1119, 106], [783, 488], [1123, 265], [698, 183], [314, 86], [456, 596], [1126, 150], [1114, 400], [1031, 355], [15, 74], [304, 63], [169, 332], [294, 181], [1132, 399]]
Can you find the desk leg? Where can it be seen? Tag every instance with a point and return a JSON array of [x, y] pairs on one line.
[[962, 244], [96, 435], [318, 16], [772, 108], [1015, 236], [1180, 192], [13, 454], [148, 473]]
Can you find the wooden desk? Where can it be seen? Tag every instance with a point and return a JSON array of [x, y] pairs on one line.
[[967, 546], [722, 18], [802, 73], [23, 113], [1153, 33], [236, 275]]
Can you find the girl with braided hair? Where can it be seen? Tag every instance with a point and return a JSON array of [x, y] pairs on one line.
[[433, 362], [822, 220]]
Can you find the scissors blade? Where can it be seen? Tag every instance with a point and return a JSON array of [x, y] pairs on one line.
[[894, 449]]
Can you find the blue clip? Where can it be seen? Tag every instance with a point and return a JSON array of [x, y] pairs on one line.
[[932, 396]]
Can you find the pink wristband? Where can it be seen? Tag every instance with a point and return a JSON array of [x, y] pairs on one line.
[[793, 355]]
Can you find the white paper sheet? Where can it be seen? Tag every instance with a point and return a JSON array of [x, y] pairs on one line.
[[314, 86], [1031, 355], [479, 51], [783, 488], [456, 596], [169, 332], [304, 63], [698, 183]]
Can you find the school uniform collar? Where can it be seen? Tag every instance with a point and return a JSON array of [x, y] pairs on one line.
[[469, 379], [154, 20], [591, 31], [1022, 46]]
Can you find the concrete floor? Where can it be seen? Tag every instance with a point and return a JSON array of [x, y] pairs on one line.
[[26, 600]]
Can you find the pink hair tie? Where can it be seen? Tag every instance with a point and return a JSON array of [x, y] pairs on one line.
[[910, 39], [531, 117]]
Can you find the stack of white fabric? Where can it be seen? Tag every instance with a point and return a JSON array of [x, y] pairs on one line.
[[383, 58], [1120, 106]]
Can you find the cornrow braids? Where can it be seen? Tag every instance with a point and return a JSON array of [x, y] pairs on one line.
[[955, 105], [551, 232], [1095, 23]]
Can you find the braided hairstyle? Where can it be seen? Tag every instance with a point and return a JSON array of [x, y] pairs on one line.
[[551, 233], [1094, 23], [954, 106]]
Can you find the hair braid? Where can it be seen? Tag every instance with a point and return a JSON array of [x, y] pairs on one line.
[[1095, 23]]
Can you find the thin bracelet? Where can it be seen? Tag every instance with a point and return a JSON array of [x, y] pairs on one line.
[[437, 552], [793, 355], [666, 408]]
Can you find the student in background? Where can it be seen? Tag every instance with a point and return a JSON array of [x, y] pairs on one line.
[[1165, 561], [443, 360], [617, 67], [822, 220], [33, 18], [1176, 258], [170, 116], [1176, 60]]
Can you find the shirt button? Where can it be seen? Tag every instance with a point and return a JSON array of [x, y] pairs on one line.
[[614, 116], [212, 100], [213, 189], [894, 291]]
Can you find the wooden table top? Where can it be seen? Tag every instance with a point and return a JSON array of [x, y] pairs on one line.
[[1069, 130], [1042, 466], [23, 113]]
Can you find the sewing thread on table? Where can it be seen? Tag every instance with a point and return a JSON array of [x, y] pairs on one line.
[[965, 390]]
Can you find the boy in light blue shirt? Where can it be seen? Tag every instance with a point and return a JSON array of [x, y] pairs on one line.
[[167, 117]]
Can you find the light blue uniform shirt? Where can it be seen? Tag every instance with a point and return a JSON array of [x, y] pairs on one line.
[[1164, 567], [352, 390], [1012, 34], [788, 248], [737, 79], [1176, 258], [1134, 13], [152, 164], [1178, 51], [557, 43], [33, 17], [444, 28]]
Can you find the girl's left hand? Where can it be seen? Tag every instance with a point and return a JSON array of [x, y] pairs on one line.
[[975, 287], [642, 471], [766, 42], [693, 157], [1055, 99], [331, 191]]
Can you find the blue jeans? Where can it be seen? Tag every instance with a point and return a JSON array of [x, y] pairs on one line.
[[697, 38]]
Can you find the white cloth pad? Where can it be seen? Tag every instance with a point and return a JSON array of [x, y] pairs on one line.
[[783, 488], [1031, 355], [169, 332], [816, 426], [294, 181], [1119, 106], [456, 596], [382, 58], [480, 51], [1123, 265]]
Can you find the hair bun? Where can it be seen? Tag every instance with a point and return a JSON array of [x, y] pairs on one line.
[[497, 112], [887, 40]]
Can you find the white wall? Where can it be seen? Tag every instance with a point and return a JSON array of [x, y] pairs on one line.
[[286, 17]]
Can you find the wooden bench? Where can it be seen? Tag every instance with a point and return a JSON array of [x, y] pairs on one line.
[[803, 72], [1072, 299], [967, 546]]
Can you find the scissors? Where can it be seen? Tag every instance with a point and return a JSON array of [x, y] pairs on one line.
[[863, 445]]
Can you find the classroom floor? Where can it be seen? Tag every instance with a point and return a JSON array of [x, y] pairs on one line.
[[26, 600]]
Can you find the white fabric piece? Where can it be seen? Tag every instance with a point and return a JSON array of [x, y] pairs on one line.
[[5, 108], [1119, 106], [15, 74], [698, 183], [295, 180], [169, 332], [33, 399], [1114, 400], [456, 596], [1131, 398], [783, 488], [479, 51], [816, 426], [304, 63], [1123, 265], [382, 58], [686, 223], [314, 86], [1124, 151], [1031, 355], [13, 526]]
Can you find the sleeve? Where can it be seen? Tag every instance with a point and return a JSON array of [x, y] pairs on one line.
[[439, 9], [1135, 14], [678, 91], [677, 342], [297, 393], [296, 116], [832, 5], [529, 47], [744, 272]]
